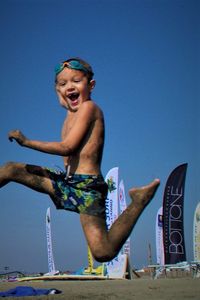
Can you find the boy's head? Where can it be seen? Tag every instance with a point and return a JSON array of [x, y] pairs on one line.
[[74, 83], [76, 64]]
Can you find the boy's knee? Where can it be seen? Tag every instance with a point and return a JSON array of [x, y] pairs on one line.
[[10, 167], [103, 255], [9, 164]]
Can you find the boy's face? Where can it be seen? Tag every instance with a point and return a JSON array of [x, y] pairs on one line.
[[73, 88]]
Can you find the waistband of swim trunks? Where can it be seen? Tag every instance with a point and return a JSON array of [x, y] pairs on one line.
[[85, 176]]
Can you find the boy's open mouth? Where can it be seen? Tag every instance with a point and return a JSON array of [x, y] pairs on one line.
[[73, 96]]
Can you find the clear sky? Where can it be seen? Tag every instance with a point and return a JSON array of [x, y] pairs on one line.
[[145, 55]]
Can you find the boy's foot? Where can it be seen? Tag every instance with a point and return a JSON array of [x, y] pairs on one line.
[[143, 195]]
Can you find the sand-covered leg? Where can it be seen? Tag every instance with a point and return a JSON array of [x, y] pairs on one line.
[[34, 177], [5, 173], [104, 244]]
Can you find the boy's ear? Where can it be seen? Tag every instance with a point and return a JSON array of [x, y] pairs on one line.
[[92, 84]]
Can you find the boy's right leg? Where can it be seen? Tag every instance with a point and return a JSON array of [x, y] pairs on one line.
[[104, 244], [34, 177]]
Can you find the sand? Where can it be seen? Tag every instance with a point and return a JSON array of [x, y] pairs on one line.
[[168, 288]]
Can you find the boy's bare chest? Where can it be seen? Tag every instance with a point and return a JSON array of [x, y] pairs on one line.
[[67, 126]]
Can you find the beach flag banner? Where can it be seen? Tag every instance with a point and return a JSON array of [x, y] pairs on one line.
[[118, 267], [51, 264], [111, 205], [112, 197], [90, 260], [159, 237], [196, 233], [122, 207], [90, 270], [173, 209]]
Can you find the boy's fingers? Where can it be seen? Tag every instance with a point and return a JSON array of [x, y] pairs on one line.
[[10, 138]]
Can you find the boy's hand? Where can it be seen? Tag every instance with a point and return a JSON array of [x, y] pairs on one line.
[[18, 136], [62, 101]]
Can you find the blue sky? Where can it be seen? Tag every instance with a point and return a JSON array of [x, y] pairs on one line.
[[145, 55]]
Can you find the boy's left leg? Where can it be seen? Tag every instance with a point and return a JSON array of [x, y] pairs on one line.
[[104, 244], [34, 177]]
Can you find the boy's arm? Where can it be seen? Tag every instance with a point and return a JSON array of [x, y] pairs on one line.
[[46, 147], [71, 143]]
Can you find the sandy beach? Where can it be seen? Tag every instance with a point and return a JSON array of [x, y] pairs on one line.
[[145, 289]]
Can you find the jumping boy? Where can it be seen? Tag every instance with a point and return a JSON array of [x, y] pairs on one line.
[[81, 188]]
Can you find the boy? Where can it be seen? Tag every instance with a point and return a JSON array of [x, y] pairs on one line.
[[81, 188]]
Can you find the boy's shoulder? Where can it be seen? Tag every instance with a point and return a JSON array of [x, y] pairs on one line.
[[91, 105], [89, 109]]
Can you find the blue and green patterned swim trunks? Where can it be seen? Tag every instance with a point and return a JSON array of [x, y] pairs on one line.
[[79, 193]]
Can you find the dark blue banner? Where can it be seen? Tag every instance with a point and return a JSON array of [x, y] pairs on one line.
[[173, 227]]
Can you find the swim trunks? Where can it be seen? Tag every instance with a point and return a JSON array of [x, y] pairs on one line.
[[79, 193]]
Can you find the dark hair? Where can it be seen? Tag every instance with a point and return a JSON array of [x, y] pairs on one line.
[[89, 72]]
